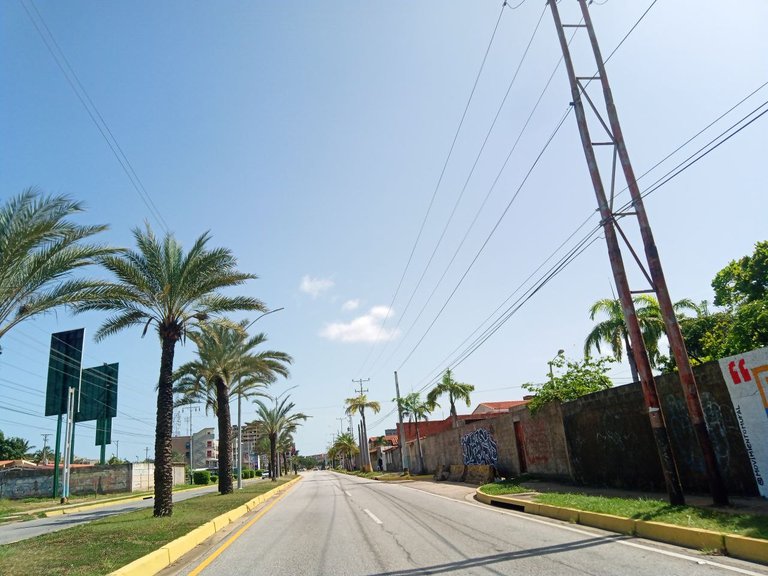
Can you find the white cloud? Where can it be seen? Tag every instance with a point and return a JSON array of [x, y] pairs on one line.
[[366, 328], [350, 305], [315, 286]]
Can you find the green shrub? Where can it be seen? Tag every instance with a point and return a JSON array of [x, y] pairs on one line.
[[201, 477], [259, 473], [214, 478]]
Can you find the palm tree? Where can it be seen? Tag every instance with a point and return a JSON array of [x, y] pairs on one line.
[[226, 364], [455, 390], [359, 404], [613, 330], [272, 421], [416, 409], [160, 284], [39, 247], [345, 446]]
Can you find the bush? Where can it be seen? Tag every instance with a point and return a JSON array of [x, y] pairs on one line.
[[259, 473], [201, 477], [214, 478]]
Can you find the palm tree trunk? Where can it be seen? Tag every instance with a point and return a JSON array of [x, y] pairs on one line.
[[272, 456], [364, 464], [225, 437], [631, 360], [164, 431], [418, 447], [454, 417]]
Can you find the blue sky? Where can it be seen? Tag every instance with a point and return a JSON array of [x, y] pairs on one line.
[[309, 138]]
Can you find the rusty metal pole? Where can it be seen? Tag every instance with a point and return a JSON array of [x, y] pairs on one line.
[[650, 397], [676, 342]]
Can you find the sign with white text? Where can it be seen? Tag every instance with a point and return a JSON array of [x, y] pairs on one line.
[[746, 376]]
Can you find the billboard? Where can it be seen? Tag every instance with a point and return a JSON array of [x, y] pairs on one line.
[[746, 376], [98, 393], [64, 367]]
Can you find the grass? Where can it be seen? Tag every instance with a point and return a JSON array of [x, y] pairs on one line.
[[102, 546], [752, 525]]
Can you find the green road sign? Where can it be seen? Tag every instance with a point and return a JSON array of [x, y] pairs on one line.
[[98, 393], [64, 367]]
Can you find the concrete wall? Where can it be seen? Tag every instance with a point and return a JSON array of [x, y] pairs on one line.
[[611, 443], [544, 441], [25, 483], [137, 477]]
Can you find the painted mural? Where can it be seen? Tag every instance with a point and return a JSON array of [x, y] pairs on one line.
[[479, 447]]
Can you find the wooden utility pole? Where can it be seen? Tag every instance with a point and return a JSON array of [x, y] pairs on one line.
[[651, 268]]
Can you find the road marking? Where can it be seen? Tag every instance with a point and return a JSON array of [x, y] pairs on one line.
[[347, 493], [373, 517], [204, 564], [538, 520]]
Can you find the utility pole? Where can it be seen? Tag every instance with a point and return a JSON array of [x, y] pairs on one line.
[[117, 449], [365, 456], [651, 268], [403, 455], [45, 448], [341, 429]]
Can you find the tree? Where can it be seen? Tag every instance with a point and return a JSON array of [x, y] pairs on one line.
[[39, 247], [415, 409], [272, 421], [159, 284], [225, 364], [455, 390], [344, 446], [359, 404], [13, 448], [613, 330], [741, 288], [580, 378]]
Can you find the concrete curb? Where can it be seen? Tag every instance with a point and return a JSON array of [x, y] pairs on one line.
[[160, 559], [742, 547]]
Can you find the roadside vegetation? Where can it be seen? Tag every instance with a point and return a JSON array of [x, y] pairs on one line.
[[752, 525], [103, 546]]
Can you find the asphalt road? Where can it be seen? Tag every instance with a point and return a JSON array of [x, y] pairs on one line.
[[334, 525], [16, 531]]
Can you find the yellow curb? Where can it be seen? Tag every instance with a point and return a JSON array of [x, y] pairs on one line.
[[689, 537], [155, 561], [752, 549], [85, 507], [484, 498], [564, 514], [607, 522], [152, 563]]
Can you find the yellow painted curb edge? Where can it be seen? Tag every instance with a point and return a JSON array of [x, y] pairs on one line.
[[745, 548], [155, 561]]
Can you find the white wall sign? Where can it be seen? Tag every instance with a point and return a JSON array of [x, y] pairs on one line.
[[746, 376]]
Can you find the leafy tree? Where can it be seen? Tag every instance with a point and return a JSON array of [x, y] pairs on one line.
[[359, 404], [160, 284], [613, 329], [455, 390], [272, 421], [579, 378], [415, 410], [114, 460], [39, 247], [226, 362], [13, 448]]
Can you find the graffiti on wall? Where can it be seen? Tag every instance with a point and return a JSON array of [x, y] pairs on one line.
[[479, 447]]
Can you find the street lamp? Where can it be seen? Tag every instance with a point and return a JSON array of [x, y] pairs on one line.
[[239, 412], [559, 353]]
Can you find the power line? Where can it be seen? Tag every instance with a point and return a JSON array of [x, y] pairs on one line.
[[439, 181], [93, 112]]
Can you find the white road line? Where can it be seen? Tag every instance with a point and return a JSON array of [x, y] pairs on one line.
[[373, 517], [347, 493]]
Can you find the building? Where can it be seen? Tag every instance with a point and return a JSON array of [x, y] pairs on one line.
[[497, 407], [204, 449]]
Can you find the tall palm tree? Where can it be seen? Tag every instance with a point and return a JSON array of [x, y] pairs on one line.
[[226, 364], [613, 330], [455, 390], [359, 404], [159, 284], [416, 409], [39, 247], [272, 421]]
